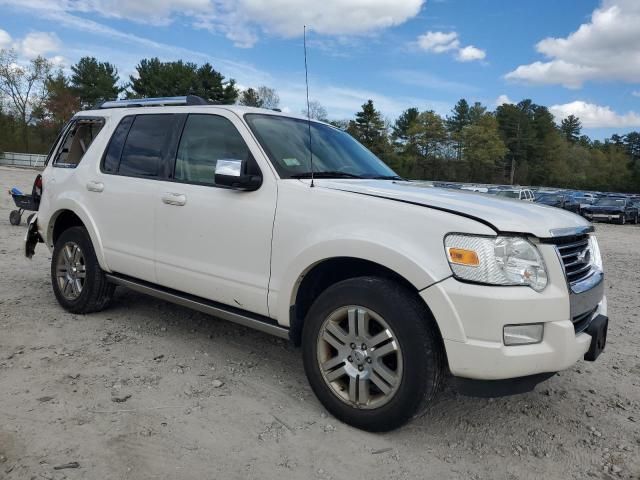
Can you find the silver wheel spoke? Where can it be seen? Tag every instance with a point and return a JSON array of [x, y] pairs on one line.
[[70, 271], [379, 338], [363, 391], [383, 372], [336, 374], [363, 323], [384, 350], [380, 383], [353, 389], [332, 363], [335, 330], [351, 317], [331, 340]]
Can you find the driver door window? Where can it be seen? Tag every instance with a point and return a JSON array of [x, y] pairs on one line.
[[205, 140]]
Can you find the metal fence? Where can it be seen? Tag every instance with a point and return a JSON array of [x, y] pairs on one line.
[[22, 159]]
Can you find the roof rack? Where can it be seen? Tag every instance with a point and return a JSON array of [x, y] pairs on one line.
[[154, 102]]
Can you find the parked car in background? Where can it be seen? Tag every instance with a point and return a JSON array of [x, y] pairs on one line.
[[559, 200], [609, 209], [517, 193]]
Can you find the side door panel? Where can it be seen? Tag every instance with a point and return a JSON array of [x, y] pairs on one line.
[[122, 198], [217, 244]]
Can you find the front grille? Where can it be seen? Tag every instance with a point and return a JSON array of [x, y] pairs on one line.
[[582, 321], [575, 254]]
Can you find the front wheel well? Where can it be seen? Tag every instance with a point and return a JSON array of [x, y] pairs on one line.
[[327, 273], [63, 221]]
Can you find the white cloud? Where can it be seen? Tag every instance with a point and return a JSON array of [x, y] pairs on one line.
[[244, 21], [604, 49], [470, 53], [36, 44], [439, 42], [442, 42], [595, 116], [502, 99], [5, 39]]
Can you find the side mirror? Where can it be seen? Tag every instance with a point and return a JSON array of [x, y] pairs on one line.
[[231, 174]]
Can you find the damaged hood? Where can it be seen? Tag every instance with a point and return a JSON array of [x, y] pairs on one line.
[[503, 215]]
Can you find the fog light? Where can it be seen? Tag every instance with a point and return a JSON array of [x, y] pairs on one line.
[[523, 334]]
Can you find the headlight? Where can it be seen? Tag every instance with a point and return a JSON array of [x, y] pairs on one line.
[[496, 260], [596, 258]]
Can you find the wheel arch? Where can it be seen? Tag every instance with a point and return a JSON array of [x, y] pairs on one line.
[[324, 273], [73, 215]]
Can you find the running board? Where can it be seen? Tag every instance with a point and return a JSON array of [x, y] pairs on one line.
[[232, 314]]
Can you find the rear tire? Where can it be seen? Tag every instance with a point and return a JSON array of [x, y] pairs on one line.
[[79, 284], [405, 351], [623, 219], [14, 217], [636, 219]]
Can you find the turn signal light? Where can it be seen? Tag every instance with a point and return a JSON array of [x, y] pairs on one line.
[[460, 256]]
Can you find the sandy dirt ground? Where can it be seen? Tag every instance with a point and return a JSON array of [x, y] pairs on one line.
[[147, 389]]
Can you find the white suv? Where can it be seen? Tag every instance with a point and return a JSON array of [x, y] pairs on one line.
[[389, 286]]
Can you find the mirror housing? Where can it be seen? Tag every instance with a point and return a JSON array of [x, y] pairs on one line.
[[231, 174]]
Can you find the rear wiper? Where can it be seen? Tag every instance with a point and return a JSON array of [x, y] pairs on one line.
[[327, 174]]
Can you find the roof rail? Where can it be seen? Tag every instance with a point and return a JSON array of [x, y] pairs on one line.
[[154, 102]]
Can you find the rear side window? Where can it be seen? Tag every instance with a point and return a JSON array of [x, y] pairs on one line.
[[140, 144], [146, 145], [77, 139], [205, 140]]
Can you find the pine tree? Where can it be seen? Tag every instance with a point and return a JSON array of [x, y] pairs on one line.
[[93, 81], [250, 98], [570, 128], [369, 129]]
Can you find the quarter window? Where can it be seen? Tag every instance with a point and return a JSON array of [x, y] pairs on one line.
[[205, 140], [79, 136]]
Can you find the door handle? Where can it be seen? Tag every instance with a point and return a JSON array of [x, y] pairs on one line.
[[177, 199], [94, 186]]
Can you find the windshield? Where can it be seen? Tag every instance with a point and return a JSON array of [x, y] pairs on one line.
[[508, 194], [610, 202], [335, 153]]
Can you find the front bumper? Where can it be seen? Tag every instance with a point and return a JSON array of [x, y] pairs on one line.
[[471, 319], [604, 216]]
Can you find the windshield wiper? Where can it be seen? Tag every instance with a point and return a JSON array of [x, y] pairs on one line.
[[327, 174], [386, 177]]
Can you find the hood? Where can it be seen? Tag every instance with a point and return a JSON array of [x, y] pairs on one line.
[[501, 214]]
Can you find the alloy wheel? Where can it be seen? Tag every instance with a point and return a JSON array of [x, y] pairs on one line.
[[71, 270], [359, 357]]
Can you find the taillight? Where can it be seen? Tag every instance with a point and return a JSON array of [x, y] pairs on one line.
[[39, 181]]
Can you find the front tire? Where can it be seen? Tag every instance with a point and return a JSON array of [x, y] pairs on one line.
[[79, 284], [372, 353]]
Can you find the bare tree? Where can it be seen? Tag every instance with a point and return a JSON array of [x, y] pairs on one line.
[[316, 111], [269, 98], [23, 88]]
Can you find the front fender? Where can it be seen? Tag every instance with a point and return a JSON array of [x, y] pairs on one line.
[[282, 297]]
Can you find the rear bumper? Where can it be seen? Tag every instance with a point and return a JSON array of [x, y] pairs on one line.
[[472, 317]]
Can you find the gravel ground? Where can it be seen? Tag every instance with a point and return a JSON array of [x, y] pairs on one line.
[[147, 389]]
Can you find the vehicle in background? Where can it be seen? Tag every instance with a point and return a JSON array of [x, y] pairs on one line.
[[609, 209], [517, 193], [559, 200], [473, 188]]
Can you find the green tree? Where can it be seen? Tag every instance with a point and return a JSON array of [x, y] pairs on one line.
[[369, 129], [476, 112], [167, 79], [483, 149], [23, 89], [570, 128], [459, 118], [429, 134], [93, 81]]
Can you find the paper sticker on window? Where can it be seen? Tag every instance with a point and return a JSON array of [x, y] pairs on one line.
[[291, 162]]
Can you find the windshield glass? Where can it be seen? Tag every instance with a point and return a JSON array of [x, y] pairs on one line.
[[508, 194], [610, 202], [336, 153]]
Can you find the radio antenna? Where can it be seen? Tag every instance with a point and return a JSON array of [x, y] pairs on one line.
[[306, 80]]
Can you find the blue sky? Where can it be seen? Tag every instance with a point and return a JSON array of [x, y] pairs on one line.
[[579, 57]]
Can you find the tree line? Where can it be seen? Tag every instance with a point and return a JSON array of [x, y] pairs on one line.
[[515, 144]]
